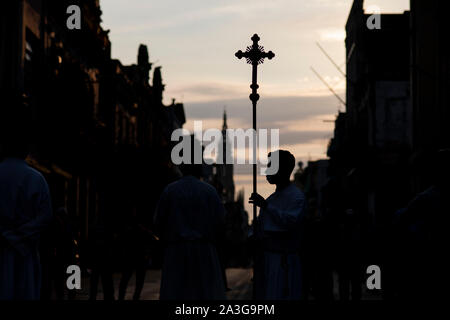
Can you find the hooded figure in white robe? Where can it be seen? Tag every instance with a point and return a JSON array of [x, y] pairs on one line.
[[25, 210], [189, 218], [279, 223]]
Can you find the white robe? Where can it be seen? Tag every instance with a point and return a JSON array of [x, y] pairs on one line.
[[281, 221], [188, 218], [25, 210]]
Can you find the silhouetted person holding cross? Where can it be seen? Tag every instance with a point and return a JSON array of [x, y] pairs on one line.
[[189, 219], [279, 222]]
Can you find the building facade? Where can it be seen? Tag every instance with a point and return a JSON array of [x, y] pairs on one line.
[[101, 132], [374, 137]]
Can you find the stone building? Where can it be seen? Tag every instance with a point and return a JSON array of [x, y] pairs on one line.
[[373, 138], [430, 77], [101, 132]]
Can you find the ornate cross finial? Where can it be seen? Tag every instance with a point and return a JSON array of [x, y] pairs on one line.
[[255, 53]]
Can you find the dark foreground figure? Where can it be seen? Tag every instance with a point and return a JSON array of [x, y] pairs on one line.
[[58, 250], [189, 219], [101, 260], [136, 247], [278, 268], [25, 211]]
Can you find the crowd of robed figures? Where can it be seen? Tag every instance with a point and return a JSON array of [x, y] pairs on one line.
[[37, 245], [189, 221]]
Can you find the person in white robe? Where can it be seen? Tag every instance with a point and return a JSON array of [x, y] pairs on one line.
[[25, 210], [280, 222], [188, 219]]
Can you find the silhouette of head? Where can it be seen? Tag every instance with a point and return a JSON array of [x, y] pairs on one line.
[[192, 168], [285, 168], [15, 128]]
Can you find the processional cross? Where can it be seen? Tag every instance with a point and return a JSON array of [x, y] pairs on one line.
[[254, 55]]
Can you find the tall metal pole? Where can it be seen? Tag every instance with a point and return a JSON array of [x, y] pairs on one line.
[[255, 55], [254, 87]]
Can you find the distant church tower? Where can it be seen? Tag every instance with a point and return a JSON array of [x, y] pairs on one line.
[[225, 170]]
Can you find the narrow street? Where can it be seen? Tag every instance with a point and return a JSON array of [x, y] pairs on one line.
[[239, 281]]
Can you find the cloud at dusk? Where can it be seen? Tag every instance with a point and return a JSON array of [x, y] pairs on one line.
[[194, 41]]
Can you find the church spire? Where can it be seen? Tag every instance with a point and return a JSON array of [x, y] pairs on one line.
[[144, 65], [224, 126], [224, 152], [158, 85]]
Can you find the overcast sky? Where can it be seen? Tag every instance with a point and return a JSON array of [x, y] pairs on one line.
[[195, 40]]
